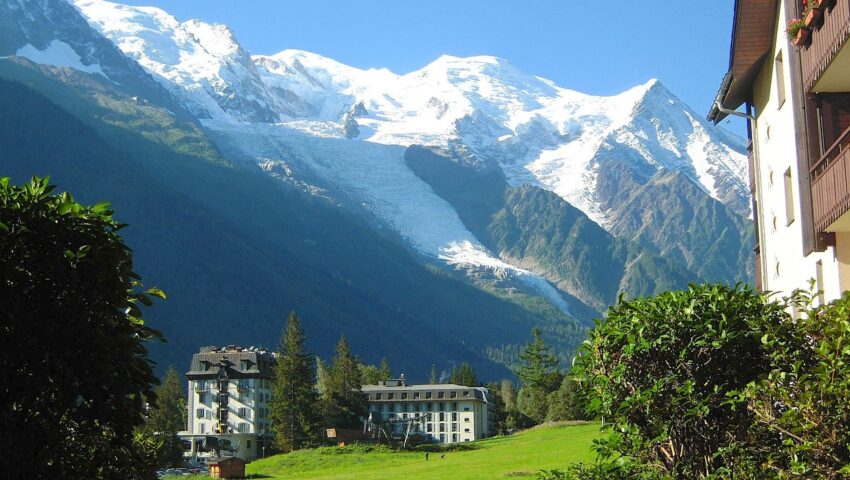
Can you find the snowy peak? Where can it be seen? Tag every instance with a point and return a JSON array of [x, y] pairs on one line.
[[201, 63], [535, 131]]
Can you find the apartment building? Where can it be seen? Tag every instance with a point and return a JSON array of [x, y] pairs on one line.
[[442, 413], [795, 92], [228, 401]]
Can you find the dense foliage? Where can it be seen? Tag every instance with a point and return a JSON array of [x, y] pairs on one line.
[[720, 382], [76, 373], [805, 399], [665, 372], [293, 413]]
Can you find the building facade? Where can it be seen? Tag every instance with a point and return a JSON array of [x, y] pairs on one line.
[[439, 413], [228, 402], [797, 100]]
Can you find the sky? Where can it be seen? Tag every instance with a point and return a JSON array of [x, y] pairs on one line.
[[596, 47]]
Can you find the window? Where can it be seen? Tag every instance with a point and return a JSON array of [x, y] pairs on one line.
[[391, 407], [243, 427], [427, 394], [442, 427], [404, 396], [466, 419], [249, 444], [442, 417], [243, 413], [441, 394], [378, 396], [416, 407], [466, 430], [454, 437], [454, 416], [442, 406], [779, 68], [466, 393], [203, 428], [442, 437], [416, 395], [390, 396], [454, 405], [453, 394], [429, 406], [403, 407], [430, 427], [200, 413], [465, 409], [789, 198], [243, 365], [454, 427]]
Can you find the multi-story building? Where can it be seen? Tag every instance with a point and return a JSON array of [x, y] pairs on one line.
[[797, 100], [449, 413], [228, 401]]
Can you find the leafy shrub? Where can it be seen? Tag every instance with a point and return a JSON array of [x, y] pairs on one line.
[[669, 373]]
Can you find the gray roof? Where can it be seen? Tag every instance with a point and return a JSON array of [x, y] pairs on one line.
[[460, 393], [240, 363]]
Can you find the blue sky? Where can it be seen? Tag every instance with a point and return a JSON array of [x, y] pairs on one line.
[[597, 47]]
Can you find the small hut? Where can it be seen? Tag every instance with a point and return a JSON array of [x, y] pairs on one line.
[[227, 467], [344, 436]]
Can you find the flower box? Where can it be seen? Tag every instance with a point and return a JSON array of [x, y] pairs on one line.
[[814, 17], [802, 37]]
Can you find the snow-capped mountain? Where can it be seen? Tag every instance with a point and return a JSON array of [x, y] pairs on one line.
[[501, 178], [535, 130]]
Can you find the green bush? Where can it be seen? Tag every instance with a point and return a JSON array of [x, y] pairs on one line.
[[669, 374], [806, 398]]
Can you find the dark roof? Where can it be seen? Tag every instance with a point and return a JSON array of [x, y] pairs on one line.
[[240, 363], [472, 393], [753, 31]]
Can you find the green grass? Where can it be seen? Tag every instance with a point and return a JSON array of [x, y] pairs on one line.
[[520, 455]]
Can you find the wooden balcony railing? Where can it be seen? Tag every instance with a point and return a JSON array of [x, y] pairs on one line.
[[826, 42], [831, 183]]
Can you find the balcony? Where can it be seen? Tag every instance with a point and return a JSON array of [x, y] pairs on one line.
[[831, 186], [826, 61]]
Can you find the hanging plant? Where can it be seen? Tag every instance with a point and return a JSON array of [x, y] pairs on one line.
[[797, 32], [813, 12]]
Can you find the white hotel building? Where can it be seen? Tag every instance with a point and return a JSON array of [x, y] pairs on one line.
[[228, 401], [455, 413]]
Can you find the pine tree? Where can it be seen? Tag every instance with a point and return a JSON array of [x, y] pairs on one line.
[[346, 403], [294, 398], [466, 376], [539, 366], [385, 372], [166, 417], [433, 378], [454, 377], [323, 379]]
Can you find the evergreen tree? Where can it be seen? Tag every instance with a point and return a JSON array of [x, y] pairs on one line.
[[433, 378], [466, 376], [538, 367], [294, 399], [346, 403], [323, 380], [454, 377], [166, 417], [385, 371]]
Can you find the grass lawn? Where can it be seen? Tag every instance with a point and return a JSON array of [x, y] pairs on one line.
[[518, 455]]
